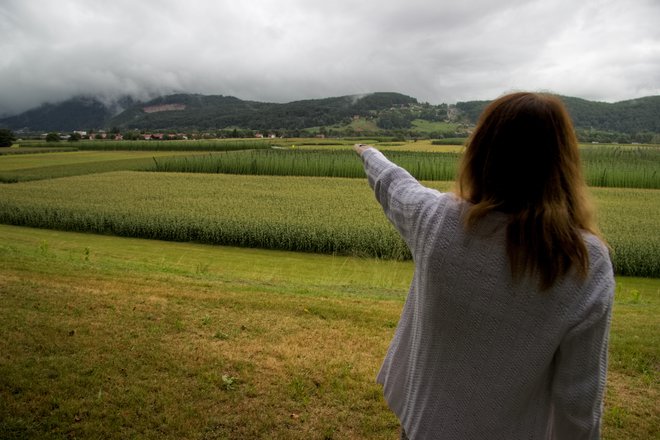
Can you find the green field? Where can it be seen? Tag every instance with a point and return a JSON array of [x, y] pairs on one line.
[[25, 167], [122, 156], [622, 166], [51, 159], [125, 338], [423, 126], [319, 163], [604, 167], [20, 149], [310, 214], [113, 337]]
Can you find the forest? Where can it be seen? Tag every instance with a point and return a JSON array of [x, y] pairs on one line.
[[374, 114]]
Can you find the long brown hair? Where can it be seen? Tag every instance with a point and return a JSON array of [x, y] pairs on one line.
[[523, 160]]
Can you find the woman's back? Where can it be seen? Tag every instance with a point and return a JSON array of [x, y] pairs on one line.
[[475, 351], [504, 331]]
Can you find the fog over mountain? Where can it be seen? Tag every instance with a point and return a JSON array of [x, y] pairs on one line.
[[442, 51], [636, 120]]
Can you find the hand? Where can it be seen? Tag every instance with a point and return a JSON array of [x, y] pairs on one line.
[[360, 148]]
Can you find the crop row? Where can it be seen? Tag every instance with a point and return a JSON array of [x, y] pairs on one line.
[[319, 163], [603, 166], [622, 166], [325, 215]]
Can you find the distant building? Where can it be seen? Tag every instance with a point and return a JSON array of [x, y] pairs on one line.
[[151, 136]]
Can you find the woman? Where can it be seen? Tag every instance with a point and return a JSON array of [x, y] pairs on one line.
[[504, 331]]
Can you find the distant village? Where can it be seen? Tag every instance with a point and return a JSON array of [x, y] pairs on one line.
[[101, 134]]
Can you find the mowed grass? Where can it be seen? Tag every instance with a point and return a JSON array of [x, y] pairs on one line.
[[26, 161], [423, 126], [20, 149], [26, 167], [107, 337], [113, 338]]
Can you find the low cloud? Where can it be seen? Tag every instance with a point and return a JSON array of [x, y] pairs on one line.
[[299, 49]]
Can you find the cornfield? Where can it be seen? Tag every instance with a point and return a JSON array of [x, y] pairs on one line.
[[326, 215], [622, 166], [319, 163], [616, 167], [630, 223]]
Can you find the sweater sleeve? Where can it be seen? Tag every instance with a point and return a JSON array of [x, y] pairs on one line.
[[581, 363], [402, 197]]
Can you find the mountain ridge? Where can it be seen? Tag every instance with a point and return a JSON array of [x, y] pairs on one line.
[[389, 110]]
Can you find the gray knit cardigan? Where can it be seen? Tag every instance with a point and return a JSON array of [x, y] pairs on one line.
[[476, 355]]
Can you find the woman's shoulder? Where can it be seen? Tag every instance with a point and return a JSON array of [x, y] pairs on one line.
[[448, 202], [600, 276], [597, 248]]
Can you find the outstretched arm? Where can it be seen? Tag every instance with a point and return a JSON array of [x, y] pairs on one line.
[[361, 148], [402, 197]]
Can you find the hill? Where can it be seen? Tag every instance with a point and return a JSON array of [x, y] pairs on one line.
[[631, 116], [602, 121], [219, 112], [202, 112], [77, 113], [383, 113]]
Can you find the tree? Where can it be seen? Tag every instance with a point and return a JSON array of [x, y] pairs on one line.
[[75, 137], [7, 137], [52, 137], [131, 135]]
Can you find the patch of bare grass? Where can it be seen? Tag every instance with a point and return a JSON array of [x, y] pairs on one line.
[[85, 356]]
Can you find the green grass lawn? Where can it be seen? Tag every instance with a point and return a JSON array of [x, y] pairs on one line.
[[26, 161], [107, 337], [26, 167], [423, 126]]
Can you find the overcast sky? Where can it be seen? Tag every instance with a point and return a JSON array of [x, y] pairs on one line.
[[283, 50]]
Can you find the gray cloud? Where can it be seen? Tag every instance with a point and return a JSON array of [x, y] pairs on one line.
[[296, 49]]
